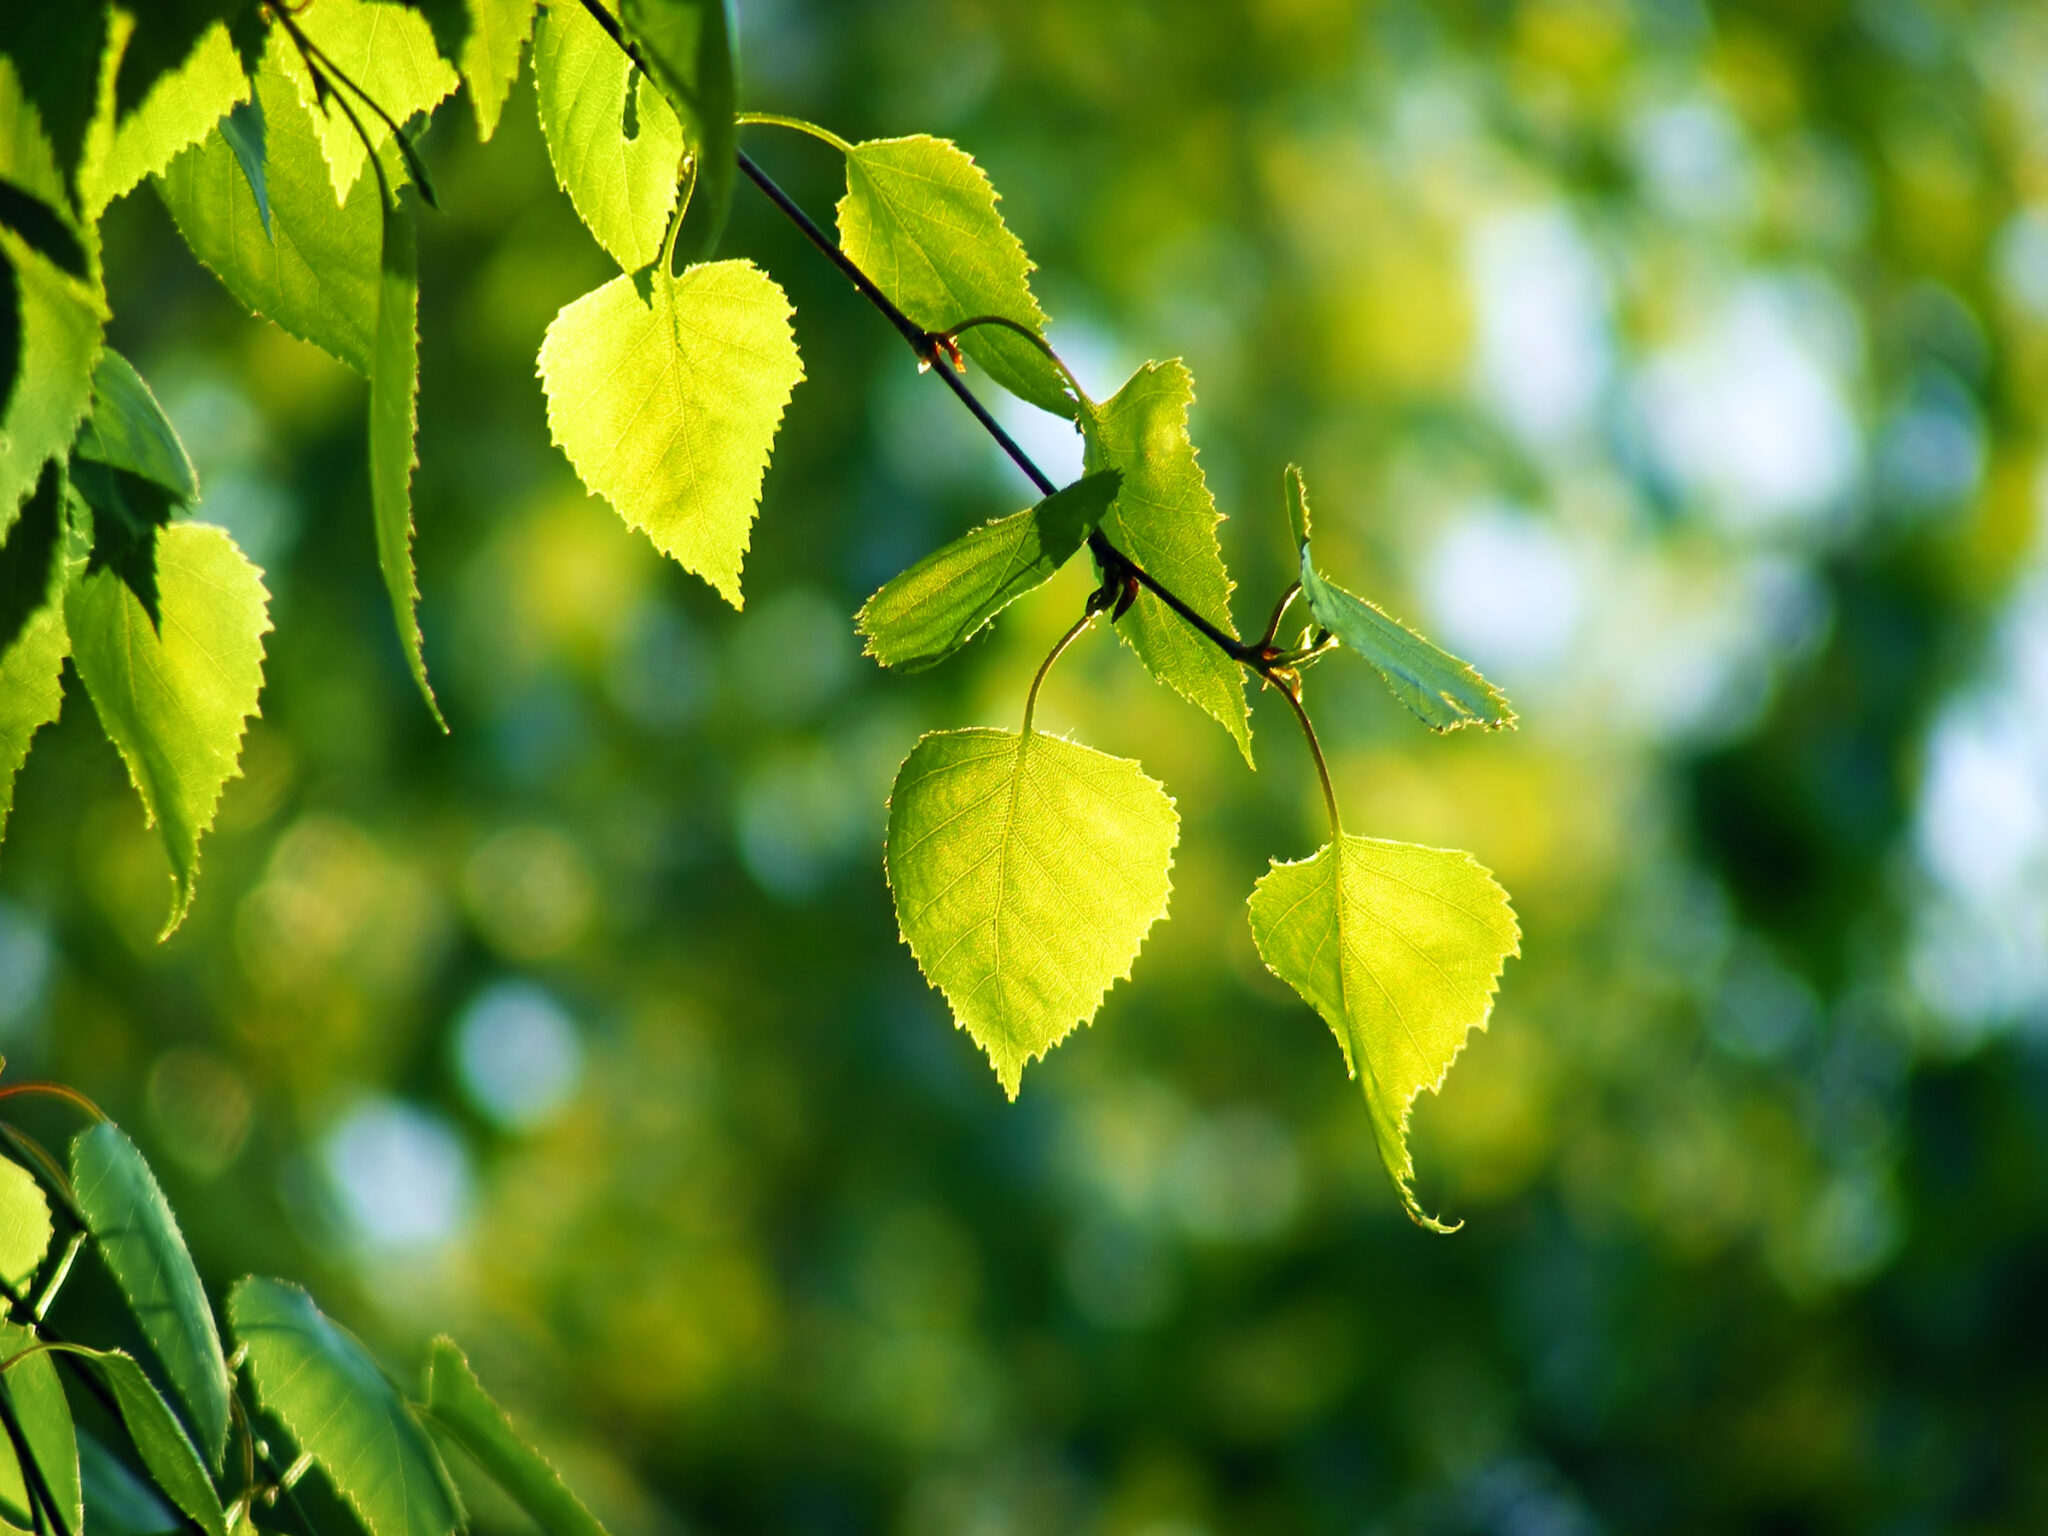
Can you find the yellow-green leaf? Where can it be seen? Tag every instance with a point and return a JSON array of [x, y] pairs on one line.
[[1399, 948], [24, 1226], [498, 30], [394, 390], [181, 108], [688, 45], [33, 640], [386, 49], [1027, 871]]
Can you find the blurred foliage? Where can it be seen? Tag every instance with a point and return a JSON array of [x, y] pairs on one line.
[[1680, 364]]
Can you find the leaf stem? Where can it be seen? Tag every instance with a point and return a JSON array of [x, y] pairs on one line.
[[1289, 687], [1053, 655], [1031, 336], [777, 120], [1279, 612], [56, 1090]]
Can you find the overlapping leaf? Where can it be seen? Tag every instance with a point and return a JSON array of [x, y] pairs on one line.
[[459, 1405], [622, 184], [342, 1411], [924, 615], [1399, 948], [35, 1397], [128, 430], [687, 45], [394, 388], [33, 640], [24, 1226], [1027, 871], [1439, 689], [498, 30], [919, 217], [166, 1450], [180, 109], [144, 1251], [1165, 519], [119, 1502], [666, 394], [386, 49], [174, 696]]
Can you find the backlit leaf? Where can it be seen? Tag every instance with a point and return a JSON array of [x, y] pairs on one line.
[[666, 394], [179, 110], [159, 1438], [1399, 948], [342, 1411], [688, 47], [394, 389], [144, 1251], [622, 183], [1027, 871], [924, 615], [57, 46], [33, 640], [386, 49], [459, 1404], [243, 129], [128, 430], [1165, 520], [173, 697], [37, 1398], [498, 30], [919, 217], [1442, 691], [24, 1226]]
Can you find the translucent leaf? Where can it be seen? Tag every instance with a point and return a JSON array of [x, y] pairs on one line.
[[1439, 689], [180, 109], [498, 29], [386, 49], [128, 429], [57, 46], [1165, 519], [24, 1226], [320, 275], [919, 217], [144, 1251], [459, 1405], [244, 132], [33, 640], [37, 1399], [688, 46], [924, 615], [394, 390], [1398, 947], [614, 142], [174, 698], [666, 394], [159, 1438], [342, 1411], [1027, 871]]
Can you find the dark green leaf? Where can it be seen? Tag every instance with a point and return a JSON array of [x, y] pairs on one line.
[[31, 561], [11, 356], [459, 1404], [688, 48], [243, 131], [117, 1502], [394, 389], [36, 1399], [160, 1439], [35, 641], [128, 429], [57, 46], [128, 512], [45, 231]]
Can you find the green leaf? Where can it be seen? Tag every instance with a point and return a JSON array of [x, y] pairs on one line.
[[128, 429], [144, 1251], [37, 1398], [33, 640], [394, 391], [1439, 689], [614, 142], [1165, 520], [666, 394], [320, 275], [387, 50], [1027, 871], [1398, 947], [117, 1501], [243, 130], [688, 47], [919, 217], [174, 698], [180, 109], [924, 615], [128, 512], [24, 1226], [459, 1404], [498, 30], [160, 1440], [32, 558], [342, 1411], [57, 46]]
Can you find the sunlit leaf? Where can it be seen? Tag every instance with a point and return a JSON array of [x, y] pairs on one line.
[[394, 389], [1027, 871], [919, 217], [1165, 519], [666, 394], [924, 615], [181, 108], [498, 30], [144, 1251], [1442, 691], [166, 1450], [687, 45], [459, 1404], [37, 1399], [386, 49], [1399, 948], [33, 640], [173, 697], [24, 1225], [342, 1411], [614, 141], [243, 129], [128, 430]]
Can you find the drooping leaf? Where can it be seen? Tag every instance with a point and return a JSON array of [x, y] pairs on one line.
[[160, 1440], [174, 697], [117, 1501], [243, 131], [36, 1398], [394, 388], [459, 1405], [33, 640], [1399, 948], [919, 217], [386, 49], [498, 30], [1165, 519], [688, 46], [666, 394], [1439, 689], [613, 139], [179, 110], [129, 430], [24, 1226], [343, 1412], [924, 615], [139, 1241], [319, 277], [1027, 871], [128, 512]]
